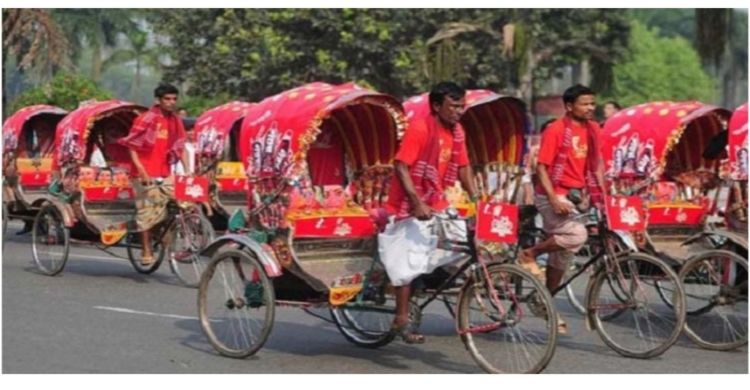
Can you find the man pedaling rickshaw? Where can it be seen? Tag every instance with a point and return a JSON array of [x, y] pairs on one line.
[[432, 157], [155, 141]]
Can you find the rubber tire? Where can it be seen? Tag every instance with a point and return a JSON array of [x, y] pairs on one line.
[[270, 296], [689, 332], [207, 229], [596, 321], [50, 208], [464, 307], [156, 247], [357, 336]]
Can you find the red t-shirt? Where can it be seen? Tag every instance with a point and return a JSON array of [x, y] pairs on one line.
[[574, 173], [415, 139], [154, 160]]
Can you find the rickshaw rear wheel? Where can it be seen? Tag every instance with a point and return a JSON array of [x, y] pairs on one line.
[[705, 279], [134, 253], [233, 292], [188, 237], [370, 327], [49, 218]]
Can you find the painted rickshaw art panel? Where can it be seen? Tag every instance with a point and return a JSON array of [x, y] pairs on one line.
[[738, 148]]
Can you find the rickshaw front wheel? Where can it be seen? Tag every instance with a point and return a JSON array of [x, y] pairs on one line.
[[236, 303], [715, 284], [50, 243]]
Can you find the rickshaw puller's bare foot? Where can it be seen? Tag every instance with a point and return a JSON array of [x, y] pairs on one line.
[[147, 260], [405, 332]]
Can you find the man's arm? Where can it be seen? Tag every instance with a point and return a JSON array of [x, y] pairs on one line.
[[420, 209], [145, 179], [466, 176], [185, 162], [549, 189]]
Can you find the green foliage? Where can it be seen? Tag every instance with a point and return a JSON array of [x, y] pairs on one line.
[[254, 53], [64, 91], [660, 69]]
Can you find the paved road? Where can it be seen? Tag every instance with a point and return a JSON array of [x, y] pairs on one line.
[[100, 316]]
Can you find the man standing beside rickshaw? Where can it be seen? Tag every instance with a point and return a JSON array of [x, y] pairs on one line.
[[156, 140], [432, 157], [569, 171]]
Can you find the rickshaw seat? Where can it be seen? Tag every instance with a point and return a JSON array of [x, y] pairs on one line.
[[34, 172], [118, 193]]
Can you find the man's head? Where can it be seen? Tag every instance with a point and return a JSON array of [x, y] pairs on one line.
[[166, 96], [447, 101], [611, 108], [579, 102], [182, 113]]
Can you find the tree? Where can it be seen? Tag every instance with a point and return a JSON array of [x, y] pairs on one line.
[[97, 28], [35, 41], [537, 42], [66, 91], [660, 69], [730, 67], [712, 34], [140, 54], [255, 53]]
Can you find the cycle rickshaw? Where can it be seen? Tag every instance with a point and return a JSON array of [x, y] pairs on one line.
[[715, 278], [217, 134], [655, 150], [318, 162], [93, 204], [28, 146]]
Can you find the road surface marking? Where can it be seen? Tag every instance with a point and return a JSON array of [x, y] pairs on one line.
[[147, 313]]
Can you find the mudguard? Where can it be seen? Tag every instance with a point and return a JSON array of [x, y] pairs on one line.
[[735, 238], [272, 267], [627, 239], [64, 208]]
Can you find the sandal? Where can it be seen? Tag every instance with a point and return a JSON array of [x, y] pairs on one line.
[[147, 261], [405, 333], [562, 326]]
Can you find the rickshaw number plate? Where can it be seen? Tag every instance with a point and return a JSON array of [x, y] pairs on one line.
[[625, 213], [497, 222], [191, 189]]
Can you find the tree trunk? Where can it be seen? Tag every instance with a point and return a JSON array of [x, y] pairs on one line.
[[5, 89], [135, 92], [96, 65], [527, 79]]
